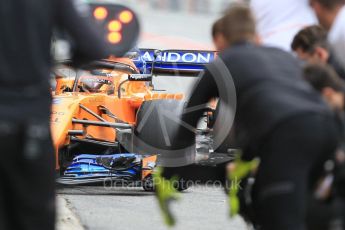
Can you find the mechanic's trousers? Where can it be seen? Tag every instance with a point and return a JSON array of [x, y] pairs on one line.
[[292, 159], [27, 177]]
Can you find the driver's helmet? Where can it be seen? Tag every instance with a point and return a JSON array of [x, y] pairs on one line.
[[96, 81], [91, 86]]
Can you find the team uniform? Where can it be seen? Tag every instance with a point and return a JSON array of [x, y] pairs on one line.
[[280, 119], [27, 197]]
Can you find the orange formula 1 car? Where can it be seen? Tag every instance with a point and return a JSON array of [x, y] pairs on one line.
[[97, 110]]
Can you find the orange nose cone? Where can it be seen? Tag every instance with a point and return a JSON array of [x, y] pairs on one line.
[[126, 16], [114, 37], [114, 26], [100, 13]]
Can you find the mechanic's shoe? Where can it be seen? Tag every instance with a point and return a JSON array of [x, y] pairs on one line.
[[238, 170], [165, 193]]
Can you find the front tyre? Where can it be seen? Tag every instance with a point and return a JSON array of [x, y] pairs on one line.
[[147, 184]]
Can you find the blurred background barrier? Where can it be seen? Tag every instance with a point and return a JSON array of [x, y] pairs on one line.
[[177, 24], [189, 6]]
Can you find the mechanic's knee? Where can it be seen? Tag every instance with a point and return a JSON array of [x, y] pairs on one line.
[[280, 206], [276, 189]]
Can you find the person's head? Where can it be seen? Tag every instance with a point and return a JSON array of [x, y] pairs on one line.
[[324, 79], [310, 44], [238, 25], [217, 35], [326, 10]]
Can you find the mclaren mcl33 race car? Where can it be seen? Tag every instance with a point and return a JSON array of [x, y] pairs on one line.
[[101, 112]]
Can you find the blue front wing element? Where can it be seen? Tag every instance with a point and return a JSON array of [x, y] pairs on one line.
[[86, 169]]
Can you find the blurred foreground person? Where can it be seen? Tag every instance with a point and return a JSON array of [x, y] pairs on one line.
[[27, 167], [331, 15], [279, 119], [311, 45], [329, 208], [278, 21]]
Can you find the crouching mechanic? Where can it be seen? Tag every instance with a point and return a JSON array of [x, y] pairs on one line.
[[27, 167], [279, 118], [332, 88]]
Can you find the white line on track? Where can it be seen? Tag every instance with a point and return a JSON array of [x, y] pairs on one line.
[[66, 219]]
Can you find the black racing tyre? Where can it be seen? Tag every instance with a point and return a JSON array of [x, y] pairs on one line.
[[158, 123], [147, 184], [181, 185], [63, 160]]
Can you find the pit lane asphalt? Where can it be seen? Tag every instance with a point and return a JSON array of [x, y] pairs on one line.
[[99, 208]]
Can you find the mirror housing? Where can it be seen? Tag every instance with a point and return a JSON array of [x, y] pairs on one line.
[[145, 77], [132, 55]]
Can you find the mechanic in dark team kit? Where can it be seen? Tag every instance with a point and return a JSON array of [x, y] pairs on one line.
[[311, 45], [279, 118], [27, 176], [330, 208]]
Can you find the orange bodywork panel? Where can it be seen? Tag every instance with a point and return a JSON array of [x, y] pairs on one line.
[[68, 101], [147, 166]]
